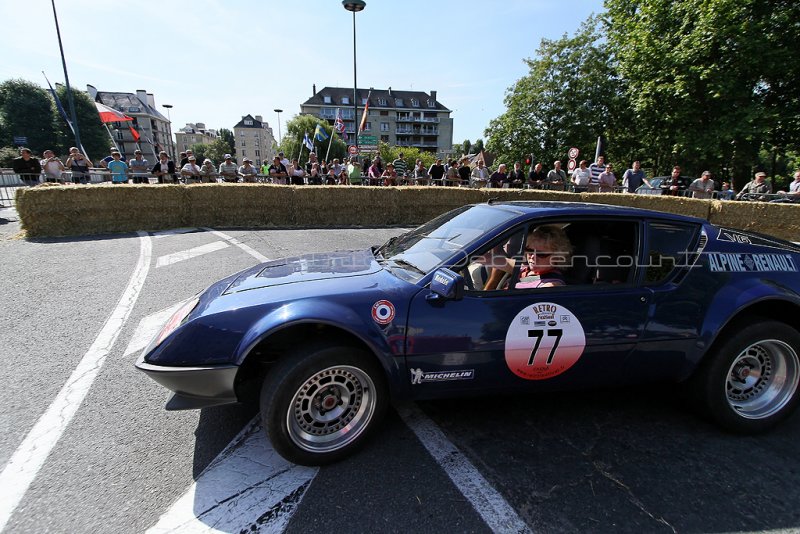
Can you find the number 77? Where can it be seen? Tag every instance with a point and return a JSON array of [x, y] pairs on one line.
[[538, 334]]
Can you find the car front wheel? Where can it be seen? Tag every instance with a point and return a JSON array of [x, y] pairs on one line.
[[750, 382], [320, 404]]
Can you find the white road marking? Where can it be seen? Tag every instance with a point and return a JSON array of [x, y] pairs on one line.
[[490, 505], [148, 327], [176, 257], [233, 241], [176, 231], [247, 488], [29, 457]]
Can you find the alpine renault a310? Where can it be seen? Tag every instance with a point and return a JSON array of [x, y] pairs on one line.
[[504, 297]]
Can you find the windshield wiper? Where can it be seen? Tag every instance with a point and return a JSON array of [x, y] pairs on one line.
[[379, 250], [405, 264]]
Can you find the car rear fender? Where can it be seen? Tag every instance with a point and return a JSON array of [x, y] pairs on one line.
[[749, 297]]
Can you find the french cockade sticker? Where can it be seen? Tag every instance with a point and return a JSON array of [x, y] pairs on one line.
[[543, 341], [383, 312]]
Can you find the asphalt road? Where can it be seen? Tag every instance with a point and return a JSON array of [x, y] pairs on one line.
[[631, 460]]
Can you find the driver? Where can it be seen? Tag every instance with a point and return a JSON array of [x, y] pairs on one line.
[[547, 252]]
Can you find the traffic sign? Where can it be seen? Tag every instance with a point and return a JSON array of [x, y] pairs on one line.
[[20, 140], [367, 140], [571, 165], [573, 153], [353, 150]]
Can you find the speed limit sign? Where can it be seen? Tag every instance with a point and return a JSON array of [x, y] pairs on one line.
[[571, 165], [353, 150], [573, 153]]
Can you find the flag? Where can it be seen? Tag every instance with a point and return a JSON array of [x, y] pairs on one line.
[[319, 133], [108, 114], [364, 115], [338, 124], [134, 133], [307, 142], [601, 148], [59, 107]]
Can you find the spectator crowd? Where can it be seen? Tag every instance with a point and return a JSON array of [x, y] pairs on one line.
[[595, 177]]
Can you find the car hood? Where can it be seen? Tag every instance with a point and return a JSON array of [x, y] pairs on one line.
[[306, 268]]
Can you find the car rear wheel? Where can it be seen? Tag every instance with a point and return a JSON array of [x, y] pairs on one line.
[[750, 381], [321, 404]]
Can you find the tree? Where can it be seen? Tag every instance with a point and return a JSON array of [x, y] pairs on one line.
[[410, 155], [297, 127], [570, 96], [94, 136], [215, 151], [466, 146], [26, 110], [229, 138], [710, 82], [477, 148]]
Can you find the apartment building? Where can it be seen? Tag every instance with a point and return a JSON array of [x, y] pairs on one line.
[[153, 128], [194, 134], [399, 118], [254, 140]]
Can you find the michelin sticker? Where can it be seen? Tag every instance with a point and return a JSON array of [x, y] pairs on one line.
[[543, 341], [418, 376], [383, 312]]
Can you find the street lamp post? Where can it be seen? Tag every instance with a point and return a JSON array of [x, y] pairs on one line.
[[279, 111], [171, 149], [355, 6]]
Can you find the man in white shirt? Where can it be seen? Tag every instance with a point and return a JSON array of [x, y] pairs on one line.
[[52, 167]]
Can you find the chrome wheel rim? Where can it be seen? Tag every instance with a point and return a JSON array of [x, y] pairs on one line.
[[331, 409], [762, 379]]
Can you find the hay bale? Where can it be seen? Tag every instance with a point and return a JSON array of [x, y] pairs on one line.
[[325, 206], [535, 195], [418, 204], [779, 220], [679, 205], [242, 205]]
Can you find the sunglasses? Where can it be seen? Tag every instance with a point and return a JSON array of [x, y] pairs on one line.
[[538, 253]]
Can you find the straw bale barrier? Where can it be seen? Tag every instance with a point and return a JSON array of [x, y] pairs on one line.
[[81, 210]]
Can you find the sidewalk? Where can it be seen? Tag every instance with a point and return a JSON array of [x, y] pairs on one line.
[[9, 223]]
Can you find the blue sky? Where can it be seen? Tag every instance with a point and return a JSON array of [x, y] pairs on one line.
[[216, 60]]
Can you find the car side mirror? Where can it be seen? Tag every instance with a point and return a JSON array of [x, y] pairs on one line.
[[446, 284]]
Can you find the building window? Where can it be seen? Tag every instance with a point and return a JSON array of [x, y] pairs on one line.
[[398, 102], [415, 102], [346, 100], [326, 99], [431, 103], [384, 113], [242, 143], [384, 126], [368, 127], [327, 113], [258, 153], [119, 135], [382, 102], [244, 154], [364, 101], [248, 122]]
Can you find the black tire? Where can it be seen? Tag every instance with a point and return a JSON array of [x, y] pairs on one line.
[[749, 382], [320, 404]]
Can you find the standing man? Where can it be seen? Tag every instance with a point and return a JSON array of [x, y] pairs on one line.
[[499, 178], [437, 172], [118, 168], [52, 167], [164, 169], [27, 166], [703, 187], [581, 177], [480, 176], [607, 180], [794, 190], [676, 184], [464, 171], [312, 159], [106, 160], [517, 176], [537, 176], [759, 186], [400, 166], [247, 172], [634, 178], [139, 168], [556, 178], [227, 169], [596, 169], [277, 171], [191, 171]]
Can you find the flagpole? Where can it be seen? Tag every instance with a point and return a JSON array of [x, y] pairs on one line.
[[66, 78], [330, 142]]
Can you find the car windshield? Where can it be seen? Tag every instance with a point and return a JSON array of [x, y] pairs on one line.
[[421, 250]]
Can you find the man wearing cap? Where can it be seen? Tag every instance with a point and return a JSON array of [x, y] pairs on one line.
[[191, 171], [703, 187], [227, 169], [185, 160], [248, 172], [208, 173], [106, 160], [759, 186]]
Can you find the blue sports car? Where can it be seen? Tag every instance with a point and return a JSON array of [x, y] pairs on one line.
[[503, 297]]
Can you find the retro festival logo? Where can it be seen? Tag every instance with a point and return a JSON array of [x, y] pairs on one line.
[[543, 341]]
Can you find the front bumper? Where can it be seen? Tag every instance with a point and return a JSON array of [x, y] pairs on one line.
[[194, 387]]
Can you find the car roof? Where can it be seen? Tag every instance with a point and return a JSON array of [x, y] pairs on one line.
[[556, 208]]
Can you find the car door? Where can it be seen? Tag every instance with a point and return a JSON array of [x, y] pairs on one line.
[[543, 338]]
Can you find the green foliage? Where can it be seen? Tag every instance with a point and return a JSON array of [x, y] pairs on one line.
[[571, 95], [94, 136], [229, 138], [477, 148], [466, 146], [297, 127], [410, 155], [26, 110], [213, 151], [7, 155]]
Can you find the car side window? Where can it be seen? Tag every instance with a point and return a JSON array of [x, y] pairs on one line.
[[669, 247], [491, 267]]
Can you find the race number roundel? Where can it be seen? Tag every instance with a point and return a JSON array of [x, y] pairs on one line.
[[544, 341], [383, 312]]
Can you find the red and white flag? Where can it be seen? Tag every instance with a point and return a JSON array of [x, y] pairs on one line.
[[364, 115]]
